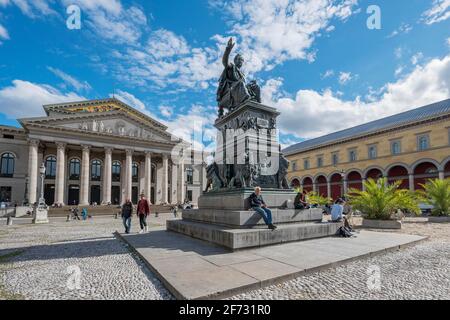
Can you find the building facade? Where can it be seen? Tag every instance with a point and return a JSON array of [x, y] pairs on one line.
[[410, 147], [97, 151]]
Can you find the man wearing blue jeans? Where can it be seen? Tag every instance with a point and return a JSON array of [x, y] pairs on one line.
[[257, 203], [127, 211]]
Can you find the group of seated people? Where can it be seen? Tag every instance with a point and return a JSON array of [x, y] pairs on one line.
[[339, 211]]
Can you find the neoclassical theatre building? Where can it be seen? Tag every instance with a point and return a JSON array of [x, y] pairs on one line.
[[410, 147], [97, 151]]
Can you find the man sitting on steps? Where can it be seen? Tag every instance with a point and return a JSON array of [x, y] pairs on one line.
[[257, 203]]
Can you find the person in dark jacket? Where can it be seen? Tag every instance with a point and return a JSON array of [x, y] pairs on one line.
[[127, 212], [257, 203], [300, 201], [143, 210]]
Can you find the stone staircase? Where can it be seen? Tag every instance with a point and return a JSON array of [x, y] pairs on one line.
[[101, 210]]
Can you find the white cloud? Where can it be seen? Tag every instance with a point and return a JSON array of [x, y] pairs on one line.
[[398, 52], [24, 99], [345, 77], [310, 113], [327, 74], [31, 8], [440, 11], [130, 99], [448, 42], [403, 29], [415, 59], [399, 71], [4, 33], [68, 79], [166, 111]]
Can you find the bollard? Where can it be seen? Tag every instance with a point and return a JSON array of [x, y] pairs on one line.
[[116, 216], [9, 221], [68, 218]]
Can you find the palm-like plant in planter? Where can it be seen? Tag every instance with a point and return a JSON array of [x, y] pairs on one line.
[[314, 198], [437, 193], [381, 201]]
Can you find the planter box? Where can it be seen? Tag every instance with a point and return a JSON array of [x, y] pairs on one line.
[[438, 219], [382, 224]]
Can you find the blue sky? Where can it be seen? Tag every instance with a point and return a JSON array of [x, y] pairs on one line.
[[317, 61]]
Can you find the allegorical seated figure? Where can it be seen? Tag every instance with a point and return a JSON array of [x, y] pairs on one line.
[[233, 89]]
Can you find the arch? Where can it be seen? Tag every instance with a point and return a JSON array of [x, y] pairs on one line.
[[398, 164], [371, 170], [50, 166], [423, 171], [336, 184], [7, 164], [321, 185], [307, 183], [446, 166], [355, 180], [295, 182], [420, 161], [398, 172], [352, 171]]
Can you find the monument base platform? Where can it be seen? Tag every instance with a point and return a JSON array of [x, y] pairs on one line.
[[252, 237]]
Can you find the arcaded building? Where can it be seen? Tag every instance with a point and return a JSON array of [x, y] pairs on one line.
[[97, 151], [410, 147]]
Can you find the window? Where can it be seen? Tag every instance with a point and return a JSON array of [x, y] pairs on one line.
[[395, 147], [294, 165], [372, 152], [306, 164], [96, 170], [135, 172], [423, 142], [8, 136], [352, 156], [50, 167], [320, 162], [115, 170], [7, 165], [335, 159], [5, 194], [74, 169], [189, 176], [189, 195]]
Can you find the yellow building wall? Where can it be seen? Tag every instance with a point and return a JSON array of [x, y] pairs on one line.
[[439, 151]]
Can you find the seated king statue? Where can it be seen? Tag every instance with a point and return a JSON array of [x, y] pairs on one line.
[[233, 89]]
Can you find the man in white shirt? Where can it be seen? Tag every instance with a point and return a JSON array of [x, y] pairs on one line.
[[337, 213]]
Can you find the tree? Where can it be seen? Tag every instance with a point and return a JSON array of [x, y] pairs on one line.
[[437, 193], [380, 200]]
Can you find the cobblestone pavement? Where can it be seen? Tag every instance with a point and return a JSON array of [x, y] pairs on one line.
[[418, 272], [73, 260], [43, 262]]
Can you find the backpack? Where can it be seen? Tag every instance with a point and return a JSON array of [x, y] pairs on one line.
[[344, 232]]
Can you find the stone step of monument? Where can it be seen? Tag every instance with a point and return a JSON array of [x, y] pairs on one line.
[[248, 218], [259, 236]]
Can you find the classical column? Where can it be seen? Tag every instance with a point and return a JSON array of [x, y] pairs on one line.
[[175, 188], [363, 186], [314, 186], [141, 188], [441, 175], [107, 176], [32, 170], [84, 189], [328, 189], [128, 174], [345, 186], [182, 177], [148, 175], [165, 178], [60, 172], [411, 182]]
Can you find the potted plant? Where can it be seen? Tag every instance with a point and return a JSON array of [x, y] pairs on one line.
[[381, 204], [437, 193]]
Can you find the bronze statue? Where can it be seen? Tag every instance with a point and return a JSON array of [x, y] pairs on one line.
[[233, 89]]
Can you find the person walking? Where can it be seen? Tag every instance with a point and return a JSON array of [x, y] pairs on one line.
[[143, 210], [127, 211]]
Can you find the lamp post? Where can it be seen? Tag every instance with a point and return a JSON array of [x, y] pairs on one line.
[[342, 173], [42, 203], [41, 211]]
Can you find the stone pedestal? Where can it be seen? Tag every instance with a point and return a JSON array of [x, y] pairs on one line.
[[22, 211], [248, 155], [40, 215]]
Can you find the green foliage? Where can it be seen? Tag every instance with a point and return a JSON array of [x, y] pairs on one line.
[[437, 193], [380, 200], [316, 199]]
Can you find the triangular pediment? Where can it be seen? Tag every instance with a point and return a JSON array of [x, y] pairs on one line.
[[116, 123]]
